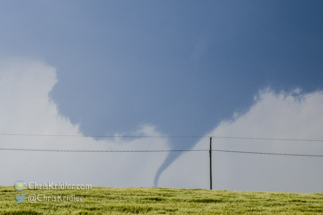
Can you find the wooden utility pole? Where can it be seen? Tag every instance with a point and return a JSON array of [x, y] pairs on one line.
[[210, 163]]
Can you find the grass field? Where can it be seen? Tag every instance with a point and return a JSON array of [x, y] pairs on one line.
[[106, 200]]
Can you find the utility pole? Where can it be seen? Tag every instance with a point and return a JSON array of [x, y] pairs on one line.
[[210, 152]]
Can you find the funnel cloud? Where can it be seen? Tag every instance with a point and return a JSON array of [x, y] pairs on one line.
[[170, 68]]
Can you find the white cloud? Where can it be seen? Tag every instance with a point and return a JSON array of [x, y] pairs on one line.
[[26, 108], [272, 116]]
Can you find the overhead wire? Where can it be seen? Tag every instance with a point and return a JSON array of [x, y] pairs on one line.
[[170, 150], [162, 136]]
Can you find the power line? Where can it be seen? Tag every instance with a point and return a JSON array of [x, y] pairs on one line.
[[171, 150], [161, 136], [269, 153], [63, 150], [263, 138]]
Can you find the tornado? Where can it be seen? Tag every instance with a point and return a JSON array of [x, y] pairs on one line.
[[184, 144]]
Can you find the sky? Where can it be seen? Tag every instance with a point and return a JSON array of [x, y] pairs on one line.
[[171, 68]]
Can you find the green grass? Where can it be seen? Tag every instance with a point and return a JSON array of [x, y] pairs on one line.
[[109, 200]]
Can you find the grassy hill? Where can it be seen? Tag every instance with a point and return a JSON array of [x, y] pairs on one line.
[[106, 200]]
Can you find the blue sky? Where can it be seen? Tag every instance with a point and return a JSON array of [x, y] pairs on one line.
[[181, 66]]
